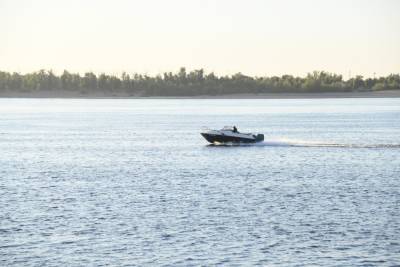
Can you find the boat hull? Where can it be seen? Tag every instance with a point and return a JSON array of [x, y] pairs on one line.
[[217, 138]]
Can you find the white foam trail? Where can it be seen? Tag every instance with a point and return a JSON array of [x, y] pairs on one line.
[[285, 142], [303, 143], [296, 142]]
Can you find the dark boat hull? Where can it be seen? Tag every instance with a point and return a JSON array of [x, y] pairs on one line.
[[213, 138]]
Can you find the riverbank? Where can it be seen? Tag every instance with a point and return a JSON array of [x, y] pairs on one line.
[[72, 94]]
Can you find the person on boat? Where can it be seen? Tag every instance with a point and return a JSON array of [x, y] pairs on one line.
[[235, 129]]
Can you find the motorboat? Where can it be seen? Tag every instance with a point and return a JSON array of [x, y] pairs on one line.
[[230, 134]]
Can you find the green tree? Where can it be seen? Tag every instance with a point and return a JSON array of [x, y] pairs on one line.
[[89, 82]]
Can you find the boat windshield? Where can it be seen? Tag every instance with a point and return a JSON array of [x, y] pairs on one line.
[[227, 128]]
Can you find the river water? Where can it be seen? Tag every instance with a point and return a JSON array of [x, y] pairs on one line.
[[130, 182]]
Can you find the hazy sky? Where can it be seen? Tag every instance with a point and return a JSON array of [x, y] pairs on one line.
[[255, 37]]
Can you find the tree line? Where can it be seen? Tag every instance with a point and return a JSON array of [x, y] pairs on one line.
[[196, 82]]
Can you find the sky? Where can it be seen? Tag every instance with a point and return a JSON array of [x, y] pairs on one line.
[[254, 37]]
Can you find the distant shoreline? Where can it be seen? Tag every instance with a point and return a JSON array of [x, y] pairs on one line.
[[77, 95]]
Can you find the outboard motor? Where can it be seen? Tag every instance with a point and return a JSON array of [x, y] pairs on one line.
[[259, 137]]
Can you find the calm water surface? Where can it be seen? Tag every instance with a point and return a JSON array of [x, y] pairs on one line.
[[132, 183]]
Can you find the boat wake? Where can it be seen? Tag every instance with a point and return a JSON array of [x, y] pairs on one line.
[[283, 142]]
